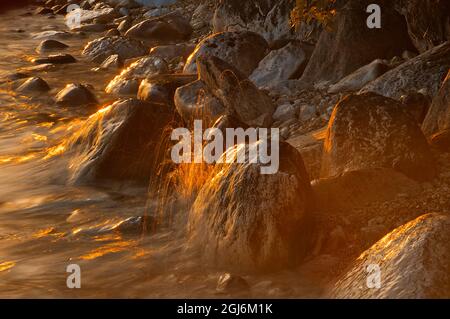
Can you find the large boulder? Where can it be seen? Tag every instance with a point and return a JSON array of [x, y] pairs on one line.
[[120, 142], [194, 101], [128, 81], [351, 44], [413, 259], [356, 189], [425, 71], [428, 22], [100, 49], [238, 94], [168, 28], [279, 65], [372, 131], [270, 18], [252, 221], [243, 50], [438, 117]]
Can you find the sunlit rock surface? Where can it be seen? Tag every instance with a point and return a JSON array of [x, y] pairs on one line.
[[243, 50], [128, 81], [371, 131], [250, 221], [414, 262]]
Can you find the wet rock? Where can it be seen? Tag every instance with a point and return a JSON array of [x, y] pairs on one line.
[[229, 283], [34, 84], [352, 45], [119, 142], [414, 261], [356, 80], [426, 71], [279, 65], [168, 28], [195, 101], [251, 221], [441, 140], [270, 18], [86, 16], [75, 95], [244, 50], [428, 22], [55, 59], [124, 26], [161, 88], [173, 51], [99, 49], [382, 134], [127, 82], [50, 45], [239, 95], [356, 189], [438, 117]]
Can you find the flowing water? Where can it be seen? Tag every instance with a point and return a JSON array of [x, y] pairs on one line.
[[47, 224]]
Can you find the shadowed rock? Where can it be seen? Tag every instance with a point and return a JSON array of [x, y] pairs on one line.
[[438, 117], [238, 94], [120, 142], [371, 131], [356, 189], [351, 44]]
